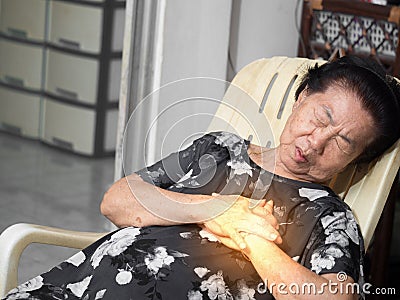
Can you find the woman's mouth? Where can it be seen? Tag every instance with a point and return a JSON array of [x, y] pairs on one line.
[[299, 156]]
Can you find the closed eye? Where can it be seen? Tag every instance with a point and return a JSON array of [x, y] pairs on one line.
[[344, 144], [320, 121], [324, 118]]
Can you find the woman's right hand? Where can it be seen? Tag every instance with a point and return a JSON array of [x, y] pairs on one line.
[[241, 219]]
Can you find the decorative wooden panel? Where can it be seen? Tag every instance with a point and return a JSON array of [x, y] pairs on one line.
[[355, 27]]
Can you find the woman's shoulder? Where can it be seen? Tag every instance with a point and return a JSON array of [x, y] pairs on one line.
[[325, 197], [221, 145], [336, 213], [333, 202], [224, 138]]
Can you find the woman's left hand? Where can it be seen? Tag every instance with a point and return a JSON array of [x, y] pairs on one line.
[[240, 219]]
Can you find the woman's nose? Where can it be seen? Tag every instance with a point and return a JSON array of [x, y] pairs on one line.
[[318, 140]]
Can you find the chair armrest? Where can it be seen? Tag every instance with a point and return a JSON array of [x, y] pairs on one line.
[[17, 237]]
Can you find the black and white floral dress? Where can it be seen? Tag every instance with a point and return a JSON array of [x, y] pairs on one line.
[[185, 262]]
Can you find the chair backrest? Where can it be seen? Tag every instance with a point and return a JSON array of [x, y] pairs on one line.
[[261, 97]]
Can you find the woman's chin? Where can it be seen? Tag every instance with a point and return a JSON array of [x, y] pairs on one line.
[[292, 170]]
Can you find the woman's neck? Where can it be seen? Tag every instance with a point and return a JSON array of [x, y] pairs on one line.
[[262, 156], [268, 159]]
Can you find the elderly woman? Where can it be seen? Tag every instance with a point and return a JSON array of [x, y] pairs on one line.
[[249, 222]]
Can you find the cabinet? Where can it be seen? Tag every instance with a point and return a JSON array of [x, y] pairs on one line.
[[61, 60], [21, 64], [76, 77], [20, 112], [71, 127], [85, 35], [24, 19]]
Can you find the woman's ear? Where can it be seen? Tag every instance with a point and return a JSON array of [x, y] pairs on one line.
[[302, 96]]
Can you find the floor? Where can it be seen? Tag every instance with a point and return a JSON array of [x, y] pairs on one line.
[[43, 185]]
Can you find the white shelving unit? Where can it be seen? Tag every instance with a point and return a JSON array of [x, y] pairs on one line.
[[60, 62]]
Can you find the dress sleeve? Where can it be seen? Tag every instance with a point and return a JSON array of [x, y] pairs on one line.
[[172, 168], [336, 246]]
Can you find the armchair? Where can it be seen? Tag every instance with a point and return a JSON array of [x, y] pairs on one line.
[[271, 84]]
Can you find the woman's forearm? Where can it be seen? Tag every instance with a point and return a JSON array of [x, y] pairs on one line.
[[134, 202], [283, 276]]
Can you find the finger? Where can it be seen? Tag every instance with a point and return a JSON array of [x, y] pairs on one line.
[[238, 239], [229, 243], [253, 203], [260, 228], [272, 221], [262, 203], [261, 212], [269, 206], [268, 227], [228, 232], [269, 234], [213, 227]]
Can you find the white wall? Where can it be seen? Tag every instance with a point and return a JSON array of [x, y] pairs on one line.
[[196, 38], [195, 44], [265, 28]]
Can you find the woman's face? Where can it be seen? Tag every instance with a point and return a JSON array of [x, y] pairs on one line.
[[325, 132]]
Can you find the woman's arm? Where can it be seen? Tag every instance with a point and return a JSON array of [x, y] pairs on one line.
[[133, 202], [282, 274], [142, 199]]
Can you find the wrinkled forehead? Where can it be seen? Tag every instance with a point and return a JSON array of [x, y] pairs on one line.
[[345, 107]]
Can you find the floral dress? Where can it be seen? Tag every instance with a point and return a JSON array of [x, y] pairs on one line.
[[185, 262]]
